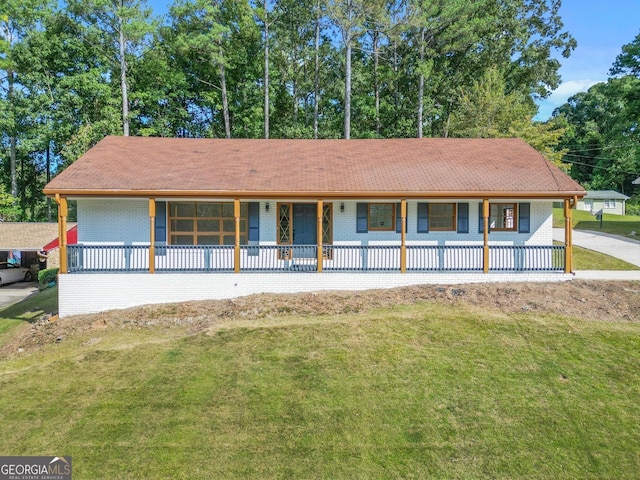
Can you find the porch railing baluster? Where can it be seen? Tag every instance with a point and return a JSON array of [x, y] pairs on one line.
[[303, 258]]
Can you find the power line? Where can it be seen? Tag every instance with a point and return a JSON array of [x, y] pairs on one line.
[[598, 166], [603, 148]]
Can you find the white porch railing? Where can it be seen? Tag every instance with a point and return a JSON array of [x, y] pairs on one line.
[[303, 258]]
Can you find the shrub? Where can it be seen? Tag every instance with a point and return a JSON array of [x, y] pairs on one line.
[[46, 276], [633, 209], [632, 206]]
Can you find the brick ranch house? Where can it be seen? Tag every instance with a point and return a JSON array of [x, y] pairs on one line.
[[168, 219]]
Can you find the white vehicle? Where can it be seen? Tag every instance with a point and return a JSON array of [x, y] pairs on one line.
[[10, 272]]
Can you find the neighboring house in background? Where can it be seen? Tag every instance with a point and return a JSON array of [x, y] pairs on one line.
[[21, 241], [608, 201], [636, 181], [165, 220]]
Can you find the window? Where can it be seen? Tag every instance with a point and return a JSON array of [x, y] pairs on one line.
[[609, 203], [502, 216], [588, 204], [382, 216], [199, 223], [442, 216]]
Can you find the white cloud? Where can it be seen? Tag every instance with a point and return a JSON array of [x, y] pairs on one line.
[[560, 96], [569, 88]]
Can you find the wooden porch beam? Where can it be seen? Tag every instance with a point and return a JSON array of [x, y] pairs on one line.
[[320, 210], [485, 235], [63, 212], [568, 237], [236, 250], [403, 235], [152, 235]]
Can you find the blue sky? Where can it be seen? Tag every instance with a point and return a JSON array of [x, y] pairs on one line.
[[600, 27]]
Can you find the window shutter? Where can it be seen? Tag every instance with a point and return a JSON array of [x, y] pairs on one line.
[[423, 218], [362, 220], [399, 218], [463, 218], [161, 222], [524, 218], [254, 221]]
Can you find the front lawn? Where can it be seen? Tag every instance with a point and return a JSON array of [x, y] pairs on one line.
[[622, 225], [418, 391], [585, 259]]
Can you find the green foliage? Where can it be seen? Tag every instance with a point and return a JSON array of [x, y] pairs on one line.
[[487, 110], [9, 208], [602, 138], [628, 62], [84, 69], [633, 207], [47, 276]]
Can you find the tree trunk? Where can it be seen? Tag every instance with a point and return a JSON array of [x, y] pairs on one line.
[[49, 215], [316, 82], [347, 94], [376, 87], [421, 87], [396, 99], [123, 82], [13, 155], [266, 73], [348, 38], [225, 102]]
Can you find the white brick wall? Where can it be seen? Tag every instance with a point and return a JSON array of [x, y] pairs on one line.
[[92, 293], [127, 222], [113, 222]]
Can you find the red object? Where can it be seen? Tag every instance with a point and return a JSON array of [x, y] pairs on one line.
[[72, 238]]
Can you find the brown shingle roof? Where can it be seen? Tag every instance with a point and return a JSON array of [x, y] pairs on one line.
[[27, 236], [269, 168]]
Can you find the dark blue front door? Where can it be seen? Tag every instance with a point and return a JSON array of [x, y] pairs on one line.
[[304, 229]]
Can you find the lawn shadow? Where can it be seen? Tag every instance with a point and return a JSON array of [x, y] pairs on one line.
[[32, 308]]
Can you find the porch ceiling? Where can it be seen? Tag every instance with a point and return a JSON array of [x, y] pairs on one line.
[[411, 168]]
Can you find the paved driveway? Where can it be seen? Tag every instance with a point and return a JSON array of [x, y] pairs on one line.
[[14, 292], [612, 245]]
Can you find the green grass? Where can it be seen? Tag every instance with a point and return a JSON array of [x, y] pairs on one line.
[[426, 391], [27, 310], [621, 225], [585, 259]]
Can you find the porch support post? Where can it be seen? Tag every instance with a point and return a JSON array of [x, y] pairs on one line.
[[485, 236], [63, 212], [403, 235], [319, 235], [568, 237], [152, 235], [236, 250]]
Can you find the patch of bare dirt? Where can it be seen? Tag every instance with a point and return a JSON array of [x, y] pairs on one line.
[[592, 300]]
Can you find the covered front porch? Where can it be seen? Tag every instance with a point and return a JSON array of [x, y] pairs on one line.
[[244, 254]]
